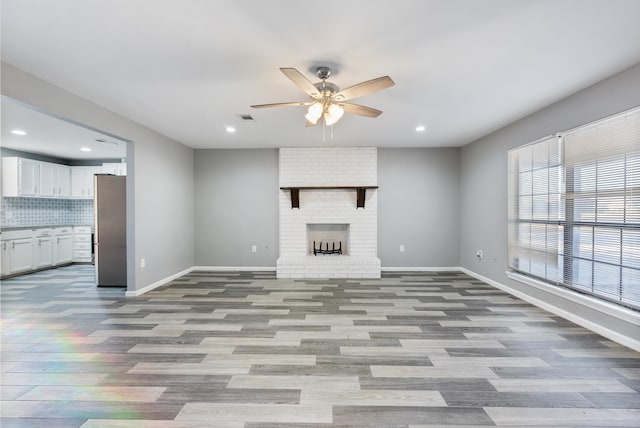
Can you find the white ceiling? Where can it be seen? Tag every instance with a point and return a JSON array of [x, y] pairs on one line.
[[47, 135], [188, 68]]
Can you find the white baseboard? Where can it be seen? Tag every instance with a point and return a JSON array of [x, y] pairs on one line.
[[421, 269], [576, 298], [163, 281], [235, 268]]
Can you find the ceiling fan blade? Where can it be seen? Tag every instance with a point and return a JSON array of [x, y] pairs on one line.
[[300, 81], [360, 110], [364, 88], [291, 104]]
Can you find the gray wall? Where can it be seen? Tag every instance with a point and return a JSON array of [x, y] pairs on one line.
[[484, 182], [159, 178], [419, 207], [236, 206]]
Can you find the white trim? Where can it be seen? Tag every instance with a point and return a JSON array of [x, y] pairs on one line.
[[591, 302], [574, 297], [136, 293], [235, 268], [420, 269]]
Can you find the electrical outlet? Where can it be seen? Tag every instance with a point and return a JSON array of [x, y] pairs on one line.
[[143, 263], [402, 248], [254, 248], [479, 254]]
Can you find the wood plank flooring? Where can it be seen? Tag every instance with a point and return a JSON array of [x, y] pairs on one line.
[[248, 350]]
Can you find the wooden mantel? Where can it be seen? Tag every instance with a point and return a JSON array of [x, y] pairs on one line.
[[361, 192]]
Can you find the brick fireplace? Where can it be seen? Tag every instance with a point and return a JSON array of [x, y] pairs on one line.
[[328, 180]]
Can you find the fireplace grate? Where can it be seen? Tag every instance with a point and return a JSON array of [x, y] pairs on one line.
[[333, 250]]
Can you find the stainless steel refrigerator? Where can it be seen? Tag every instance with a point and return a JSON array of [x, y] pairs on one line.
[[110, 231]]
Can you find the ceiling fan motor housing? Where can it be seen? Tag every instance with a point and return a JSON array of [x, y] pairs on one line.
[[326, 87]]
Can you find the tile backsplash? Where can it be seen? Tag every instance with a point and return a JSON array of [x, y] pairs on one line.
[[25, 212]]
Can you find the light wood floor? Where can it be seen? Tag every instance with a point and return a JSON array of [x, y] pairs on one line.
[[248, 350]]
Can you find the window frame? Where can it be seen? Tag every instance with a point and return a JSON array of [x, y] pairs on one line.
[[566, 223]]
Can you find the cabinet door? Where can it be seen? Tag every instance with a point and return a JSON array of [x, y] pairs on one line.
[[4, 262], [78, 179], [64, 249], [47, 179], [21, 254], [28, 177], [44, 251], [82, 181], [63, 181]]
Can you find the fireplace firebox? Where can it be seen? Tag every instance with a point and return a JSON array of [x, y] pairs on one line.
[[328, 239]]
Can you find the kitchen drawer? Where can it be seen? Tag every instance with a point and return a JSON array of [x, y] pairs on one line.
[[82, 229], [81, 254], [42, 232], [82, 237], [62, 231], [82, 245]]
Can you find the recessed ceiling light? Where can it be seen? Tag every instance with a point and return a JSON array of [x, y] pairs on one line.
[[18, 132], [230, 129], [85, 149], [420, 128]]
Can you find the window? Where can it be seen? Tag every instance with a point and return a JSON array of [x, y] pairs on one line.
[[574, 209]]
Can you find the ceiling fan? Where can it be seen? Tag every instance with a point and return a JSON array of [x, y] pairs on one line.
[[327, 101]]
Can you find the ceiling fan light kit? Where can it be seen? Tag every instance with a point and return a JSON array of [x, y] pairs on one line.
[[333, 114], [327, 100], [314, 113]]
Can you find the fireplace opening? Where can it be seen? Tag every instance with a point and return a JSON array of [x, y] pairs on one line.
[[327, 239]]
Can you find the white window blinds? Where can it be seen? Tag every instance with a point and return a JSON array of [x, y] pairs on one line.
[[574, 209]]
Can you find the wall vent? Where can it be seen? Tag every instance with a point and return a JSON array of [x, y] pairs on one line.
[[246, 117]]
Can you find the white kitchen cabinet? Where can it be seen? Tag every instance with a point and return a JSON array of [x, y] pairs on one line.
[[82, 244], [20, 177], [82, 181], [31, 178], [17, 251], [55, 180], [47, 180], [43, 248], [63, 241], [4, 261], [25, 250], [63, 181], [21, 255], [114, 168]]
